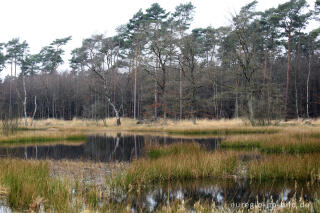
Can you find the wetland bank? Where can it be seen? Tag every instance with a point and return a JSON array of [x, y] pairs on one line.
[[152, 167]]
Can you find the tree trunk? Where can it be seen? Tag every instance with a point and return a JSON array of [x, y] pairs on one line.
[[15, 67], [194, 105], [236, 113], [308, 80], [35, 110], [265, 62], [10, 92], [156, 91], [288, 79], [250, 106], [135, 87], [164, 104], [296, 97], [24, 100], [180, 88], [295, 80], [236, 106], [116, 112]]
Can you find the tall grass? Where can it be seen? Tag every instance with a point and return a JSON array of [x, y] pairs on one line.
[[246, 145], [285, 167], [157, 151], [178, 162], [30, 182], [284, 142]]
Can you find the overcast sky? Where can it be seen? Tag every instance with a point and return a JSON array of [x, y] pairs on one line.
[[39, 22]]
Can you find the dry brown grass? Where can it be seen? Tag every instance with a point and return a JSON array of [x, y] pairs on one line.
[[131, 124], [3, 191], [176, 124], [203, 128]]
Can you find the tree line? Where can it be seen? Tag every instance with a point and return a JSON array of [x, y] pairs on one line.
[[264, 66]]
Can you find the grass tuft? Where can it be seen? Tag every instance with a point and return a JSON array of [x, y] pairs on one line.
[[30, 181], [178, 162], [246, 145], [155, 152], [285, 167], [287, 142]]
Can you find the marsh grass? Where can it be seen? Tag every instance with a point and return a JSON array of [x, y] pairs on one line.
[[285, 167], [178, 162], [28, 182], [157, 151], [42, 139], [290, 141], [246, 145]]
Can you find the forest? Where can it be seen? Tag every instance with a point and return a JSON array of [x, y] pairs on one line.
[[264, 67]]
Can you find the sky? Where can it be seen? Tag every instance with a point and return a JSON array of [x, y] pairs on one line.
[[39, 22]]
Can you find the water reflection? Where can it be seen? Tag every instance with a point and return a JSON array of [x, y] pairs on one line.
[[100, 148], [223, 192]]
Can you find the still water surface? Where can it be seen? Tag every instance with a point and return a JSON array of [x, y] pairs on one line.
[[100, 148]]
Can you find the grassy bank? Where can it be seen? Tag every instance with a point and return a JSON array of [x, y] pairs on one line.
[[181, 162], [42, 139], [286, 142], [29, 184], [285, 167], [203, 126], [178, 162]]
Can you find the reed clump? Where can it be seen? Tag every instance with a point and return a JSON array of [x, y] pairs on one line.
[[246, 145], [170, 165], [285, 167], [157, 151], [286, 142], [30, 182]]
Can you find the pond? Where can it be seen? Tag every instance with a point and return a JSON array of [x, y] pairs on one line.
[[100, 148]]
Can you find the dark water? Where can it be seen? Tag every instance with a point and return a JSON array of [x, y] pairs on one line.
[[230, 193], [100, 148]]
